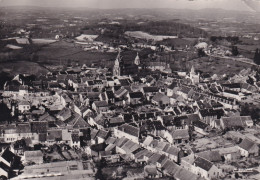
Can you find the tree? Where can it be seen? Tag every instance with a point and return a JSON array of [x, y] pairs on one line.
[[250, 80], [234, 51], [257, 56], [201, 52], [5, 113]]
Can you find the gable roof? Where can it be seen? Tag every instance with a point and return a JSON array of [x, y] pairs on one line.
[[8, 155], [200, 124], [246, 144], [172, 150], [136, 95], [180, 134], [159, 97], [212, 156], [186, 175], [235, 121], [120, 92], [30, 154], [203, 163], [116, 120], [24, 103], [150, 89], [170, 167], [212, 112], [46, 117], [75, 137], [23, 128], [173, 85], [65, 113], [134, 131], [101, 103], [102, 134], [39, 127], [54, 135]]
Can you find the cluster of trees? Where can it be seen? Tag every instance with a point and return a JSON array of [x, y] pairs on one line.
[[170, 28], [4, 76], [5, 113], [250, 110], [234, 50], [257, 56], [232, 39], [201, 52]]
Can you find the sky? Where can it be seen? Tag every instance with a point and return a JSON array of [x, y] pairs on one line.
[[241, 5]]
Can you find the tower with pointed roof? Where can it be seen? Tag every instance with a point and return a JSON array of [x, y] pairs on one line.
[[137, 60], [117, 65], [195, 78]]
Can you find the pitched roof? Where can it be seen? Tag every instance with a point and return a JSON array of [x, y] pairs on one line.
[[212, 156], [173, 85], [180, 134], [8, 155], [101, 103], [33, 154], [54, 135], [129, 129], [186, 175], [154, 158], [151, 170], [173, 151], [93, 133], [159, 97], [23, 128], [212, 112], [136, 95], [130, 147], [116, 120], [203, 163], [170, 167], [110, 94], [65, 113], [46, 117], [110, 140], [246, 144], [200, 124], [75, 137], [39, 127], [185, 89], [79, 122], [150, 89], [121, 92], [24, 103], [102, 134], [235, 121]]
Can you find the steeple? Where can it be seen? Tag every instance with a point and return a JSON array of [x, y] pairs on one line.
[[117, 69], [119, 55], [192, 71], [195, 78], [137, 60]]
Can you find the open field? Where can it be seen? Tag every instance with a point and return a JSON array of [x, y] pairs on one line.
[[219, 66], [248, 50], [43, 41], [86, 37], [144, 35], [62, 51], [22, 67]]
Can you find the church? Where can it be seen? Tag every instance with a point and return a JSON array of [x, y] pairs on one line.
[[122, 67], [195, 78]]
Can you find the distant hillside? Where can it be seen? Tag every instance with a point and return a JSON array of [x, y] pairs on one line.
[[164, 28]]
